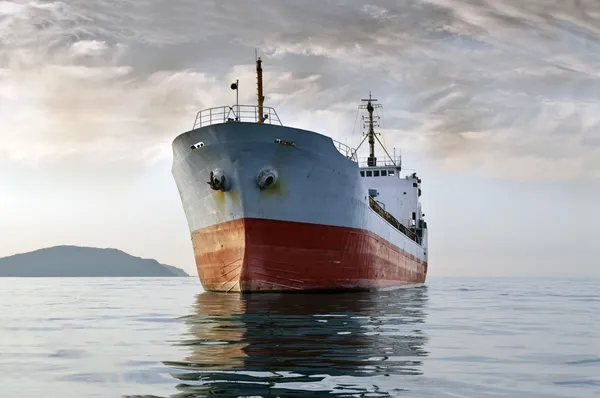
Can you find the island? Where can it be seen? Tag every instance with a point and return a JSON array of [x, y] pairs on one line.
[[77, 261]]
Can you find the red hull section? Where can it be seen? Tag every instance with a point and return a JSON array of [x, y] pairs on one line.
[[248, 255]]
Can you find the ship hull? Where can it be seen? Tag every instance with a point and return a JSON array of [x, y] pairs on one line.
[[252, 255], [314, 229]]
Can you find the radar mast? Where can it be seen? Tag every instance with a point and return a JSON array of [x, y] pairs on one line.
[[372, 122]]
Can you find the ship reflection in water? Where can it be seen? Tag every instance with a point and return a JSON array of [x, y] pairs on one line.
[[303, 345]]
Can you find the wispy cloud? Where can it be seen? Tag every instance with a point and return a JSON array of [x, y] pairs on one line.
[[510, 87]]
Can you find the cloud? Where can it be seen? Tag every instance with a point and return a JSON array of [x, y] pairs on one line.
[[499, 86]]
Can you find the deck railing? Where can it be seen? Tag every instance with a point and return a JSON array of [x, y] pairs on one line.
[[345, 150], [392, 220], [382, 162], [249, 114], [235, 113]]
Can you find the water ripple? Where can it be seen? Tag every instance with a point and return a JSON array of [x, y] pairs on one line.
[[457, 337], [279, 344]]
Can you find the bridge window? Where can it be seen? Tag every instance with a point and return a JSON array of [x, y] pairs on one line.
[[390, 172], [375, 173], [369, 173], [383, 173], [362, 173]]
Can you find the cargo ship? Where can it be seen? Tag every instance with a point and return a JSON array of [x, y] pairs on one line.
[[274, 208]]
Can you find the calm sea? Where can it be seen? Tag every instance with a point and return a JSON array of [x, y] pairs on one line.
[[166, 338]]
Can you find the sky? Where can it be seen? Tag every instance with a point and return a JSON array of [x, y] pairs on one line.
[[495, 103]]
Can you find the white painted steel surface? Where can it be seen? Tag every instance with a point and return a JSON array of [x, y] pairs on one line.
[[316, 184], [398, 195]]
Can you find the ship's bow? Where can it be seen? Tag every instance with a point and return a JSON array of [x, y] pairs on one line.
[[272, 208]]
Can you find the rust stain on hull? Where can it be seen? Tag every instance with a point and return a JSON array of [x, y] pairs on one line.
[[219, 197], [225, 199], [250, 255]]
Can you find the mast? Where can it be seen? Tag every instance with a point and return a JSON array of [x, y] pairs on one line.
[[372, 160], [259, 84]]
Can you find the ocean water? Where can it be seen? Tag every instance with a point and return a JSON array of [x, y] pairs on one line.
[[166, 338]]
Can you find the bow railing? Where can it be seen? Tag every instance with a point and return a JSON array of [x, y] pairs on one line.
[[235, 113], [345, 150], [249, 114]]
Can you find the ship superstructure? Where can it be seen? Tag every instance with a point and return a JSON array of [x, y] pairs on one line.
[[398, 196], [277, 208]]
